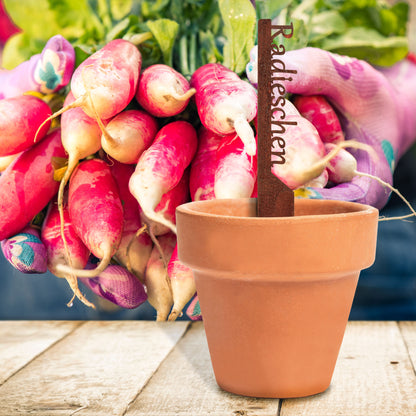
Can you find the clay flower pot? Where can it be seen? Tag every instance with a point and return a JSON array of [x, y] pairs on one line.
[[275, 293]]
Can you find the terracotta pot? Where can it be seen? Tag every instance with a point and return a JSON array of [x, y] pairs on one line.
[[275, 293]]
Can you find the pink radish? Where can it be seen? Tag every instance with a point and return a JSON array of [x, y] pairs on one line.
[[204, 164], [167, 205], [128, 135], [117, 285], [342, 167], [96, 213], [321, 114], [161, 167], [20, 118], [5, 161], [27, 185], [225, 103], [302, 151], [236, 172], [320, 181], [106, 81], [157, 281], [182, 283], [133, 251], [56, 248], [81, 137], [163, 91]]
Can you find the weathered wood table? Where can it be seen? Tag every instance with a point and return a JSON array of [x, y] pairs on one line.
[[159, 369]]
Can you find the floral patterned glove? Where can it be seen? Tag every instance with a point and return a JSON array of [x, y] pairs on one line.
[[376, 107], [46, 72]]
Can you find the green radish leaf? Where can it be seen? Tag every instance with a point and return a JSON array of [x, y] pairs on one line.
[[369, 45], [325, 24], [239, 17], [164, 31]]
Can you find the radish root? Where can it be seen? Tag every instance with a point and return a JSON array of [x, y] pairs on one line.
[[182, 97], [87, 273], [396, 191], [245, 132]]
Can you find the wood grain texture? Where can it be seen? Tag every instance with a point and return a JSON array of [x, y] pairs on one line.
[[96, 370], [22, 341], [185, 385], [373, 377], [408, 330]]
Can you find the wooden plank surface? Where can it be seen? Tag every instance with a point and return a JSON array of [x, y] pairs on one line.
[[408, 330], [21, 341], [96, 370], [185, 385], [373, 377]]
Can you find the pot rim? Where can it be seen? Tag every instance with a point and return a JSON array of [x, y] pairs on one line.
[[351, 209]]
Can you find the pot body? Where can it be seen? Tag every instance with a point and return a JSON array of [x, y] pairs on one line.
[[275, 293]]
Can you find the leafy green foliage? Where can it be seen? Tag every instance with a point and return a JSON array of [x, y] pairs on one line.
[[367, 29], [183, 33]]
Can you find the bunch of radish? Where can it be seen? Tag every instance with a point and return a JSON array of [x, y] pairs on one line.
[[109, 177]]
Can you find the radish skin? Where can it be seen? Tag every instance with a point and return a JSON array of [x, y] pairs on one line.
[[106, 81], [96, 212], [108, 78], [20, 119], [303, 150], [167, 206], [226, 104], [321, 114], [342, 167], [27, 185], [157, 281], [163, 91], [236, 172], [182, 283], [81, 137], [128, 135], [161, 167], [134, 250], [204, 165], [56, 248]]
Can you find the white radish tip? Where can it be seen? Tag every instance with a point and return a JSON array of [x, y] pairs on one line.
[[246, 134]]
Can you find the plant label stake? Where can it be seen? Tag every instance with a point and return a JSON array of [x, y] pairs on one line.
[[274, 199]]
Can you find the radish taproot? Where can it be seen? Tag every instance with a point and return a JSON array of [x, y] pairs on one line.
[[236, 172], [20, 119], [182, 283], [134, 250], [96, 213], [27, 185], [204, 164], [163, 91], [161, 167], [57, 247], [322, 115], [117, 285], [157, 281], [128, 135], [225, 103]]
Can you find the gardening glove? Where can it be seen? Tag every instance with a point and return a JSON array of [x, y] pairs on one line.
[[376, 107], [25, 251], [46, 72]]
